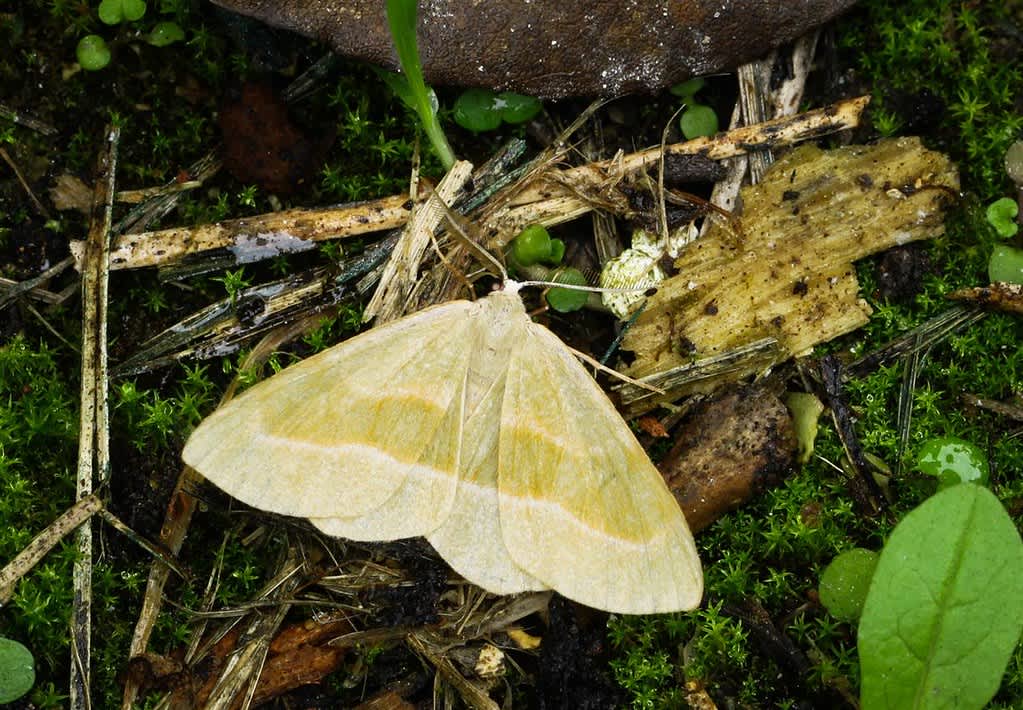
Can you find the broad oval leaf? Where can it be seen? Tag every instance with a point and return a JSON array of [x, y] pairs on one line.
[[945, 606], [17, 670]]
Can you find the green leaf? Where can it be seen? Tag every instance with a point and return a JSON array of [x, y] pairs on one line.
[[402, 18], [805, 409], [1001, 214], [567, 300], [1006, 264], [534, 245], [92, 52], [17, 670], [476, 110], [398, 83], [945, 607], [165, 33], [844, 583], [698, 120], [113, 12], [517, 108], [687, 88], [953, 461]]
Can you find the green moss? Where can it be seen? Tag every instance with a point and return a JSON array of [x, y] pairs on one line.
[[38, 445], [949, 49]]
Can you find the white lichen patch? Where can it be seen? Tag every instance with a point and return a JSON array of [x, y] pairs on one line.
[[266, 245]]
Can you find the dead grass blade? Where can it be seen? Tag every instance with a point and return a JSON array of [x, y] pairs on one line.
[[94, 434]]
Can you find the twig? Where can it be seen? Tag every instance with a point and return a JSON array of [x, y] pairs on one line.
[[869, 494], [471, 694], [221, 328], [24, 184], [94, 437], [15, 289], [60, 528], [925, 335], [754, 78], [240, 676], [44, 542], [401, 270], [254, 238], [158, 206], [27, 120], [548, 200]]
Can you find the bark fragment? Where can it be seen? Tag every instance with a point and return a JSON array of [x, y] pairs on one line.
[[784, 268]]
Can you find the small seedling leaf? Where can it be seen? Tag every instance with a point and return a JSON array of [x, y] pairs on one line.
[[1006, 264], [698, 120], [533, 245], [92, 53], [113, 12], [17, 670], [844, 583], [568, 300], [945, 607], [1001, 214], [517, 108], [166, 33], [687, 89], [953, 461], [805, 409], [476, 110]]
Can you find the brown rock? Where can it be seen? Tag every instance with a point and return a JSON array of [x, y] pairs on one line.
[[728, 449], [558, 49]]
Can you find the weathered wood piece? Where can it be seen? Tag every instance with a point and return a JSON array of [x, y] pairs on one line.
[[784, 269]]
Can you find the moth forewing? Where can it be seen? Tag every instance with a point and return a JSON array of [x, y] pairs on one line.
[[342, 432]]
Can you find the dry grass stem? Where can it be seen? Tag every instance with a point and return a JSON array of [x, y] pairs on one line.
[[94, 433]]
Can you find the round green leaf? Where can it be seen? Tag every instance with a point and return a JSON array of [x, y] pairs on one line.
[[687, 88], [844, 583], [516, 108], [166, 33], [953, 461], [698, 120], [1001, 214], [532, 246], [113, 12], [1005, 264], [557, 252], [945, 607], [476, 110], [92, 52], [110, 12], [17, 670], [133, 9], [566, 300]]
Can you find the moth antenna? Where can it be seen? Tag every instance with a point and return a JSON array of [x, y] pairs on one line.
[[662, 208], [458, 224], [612, 372], [455, 272], [589, 289]]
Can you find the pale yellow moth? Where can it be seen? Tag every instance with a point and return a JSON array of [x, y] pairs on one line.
[[477, 428]]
